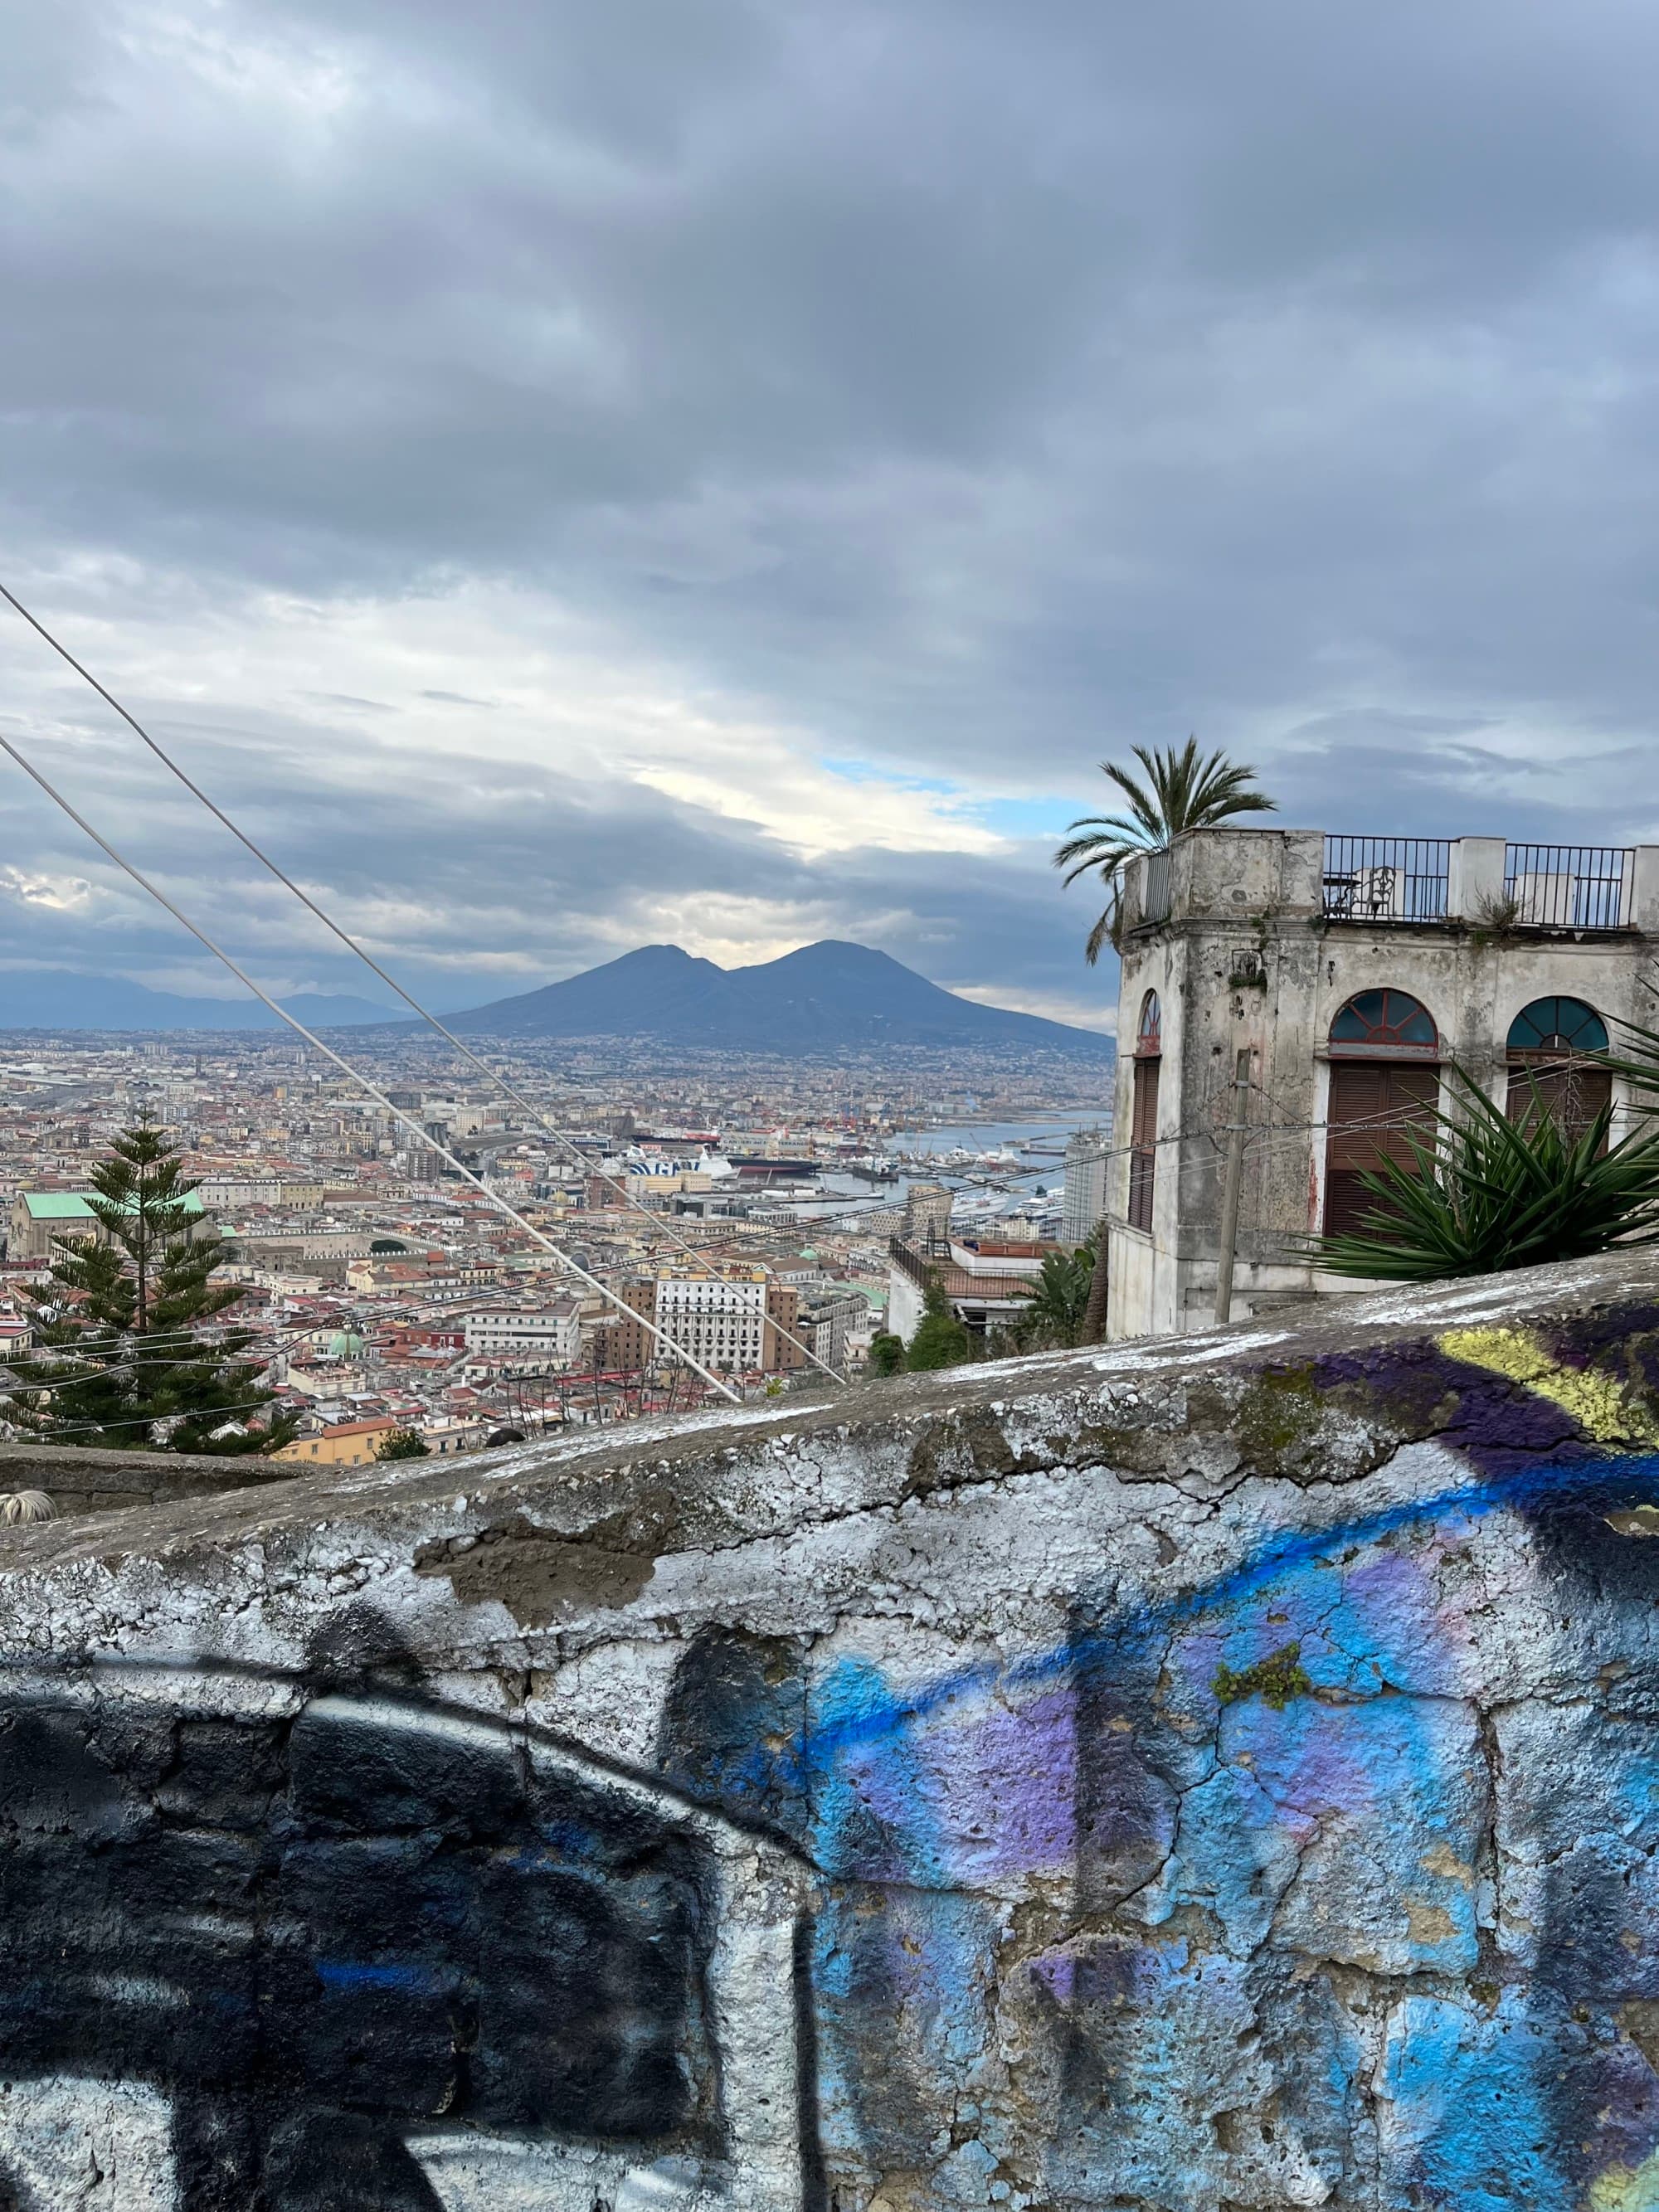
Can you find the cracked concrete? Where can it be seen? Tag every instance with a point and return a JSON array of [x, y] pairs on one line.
[[908, 1794]]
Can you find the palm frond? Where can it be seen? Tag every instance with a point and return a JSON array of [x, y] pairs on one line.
[[1104, 933], [1183, 790]]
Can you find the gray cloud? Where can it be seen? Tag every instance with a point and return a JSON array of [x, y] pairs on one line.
[[974, 389]]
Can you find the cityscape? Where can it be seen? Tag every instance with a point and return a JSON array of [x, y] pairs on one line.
[[758, 1213], [829, 1107]]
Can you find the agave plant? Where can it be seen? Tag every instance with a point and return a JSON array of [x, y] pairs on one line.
[[1483, 1193], [1184, 790]]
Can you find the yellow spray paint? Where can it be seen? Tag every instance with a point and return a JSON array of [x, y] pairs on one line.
[[1596, 1402], [1626, 2189]]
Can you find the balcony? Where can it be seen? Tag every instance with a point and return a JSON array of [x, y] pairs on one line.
[[1580, 887], [1383, 879], [1584, 889]]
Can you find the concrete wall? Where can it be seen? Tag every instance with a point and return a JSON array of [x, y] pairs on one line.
[[1247, 897], [1215, 1773], [105, 1481]]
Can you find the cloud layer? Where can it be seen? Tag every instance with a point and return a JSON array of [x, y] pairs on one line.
[[699, 470]]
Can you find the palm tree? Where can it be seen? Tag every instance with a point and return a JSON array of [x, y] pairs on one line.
[[1186, 792]]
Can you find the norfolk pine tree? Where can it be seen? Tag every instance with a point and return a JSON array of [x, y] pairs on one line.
[[116, 1355]]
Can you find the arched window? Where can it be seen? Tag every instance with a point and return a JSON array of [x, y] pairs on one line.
[[1554, 1048], [1374, 1023], [1384, 1089], [1143, 1118], [1560, 1028]]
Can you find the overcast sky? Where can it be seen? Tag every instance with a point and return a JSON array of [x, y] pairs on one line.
[[606, 470]]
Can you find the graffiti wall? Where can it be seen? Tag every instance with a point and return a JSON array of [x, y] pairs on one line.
[[1212, 1775]]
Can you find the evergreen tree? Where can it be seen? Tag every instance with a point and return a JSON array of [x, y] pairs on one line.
[[886, 1354], [119, 1361], [403, 1444], [940, 1340]]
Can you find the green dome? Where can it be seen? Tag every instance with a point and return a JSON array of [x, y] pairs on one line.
[[344, 1344]]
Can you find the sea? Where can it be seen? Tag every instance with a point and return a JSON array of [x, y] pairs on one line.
[[1040, 1141]]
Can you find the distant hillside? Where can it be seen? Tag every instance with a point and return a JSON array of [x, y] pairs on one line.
[[56, 999], [825, 998]]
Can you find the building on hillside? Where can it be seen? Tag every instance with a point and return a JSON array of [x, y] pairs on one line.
[[1084, 1200], [550, 1338], [1343, 976], [986, 1281], [730, 1324], [824, 1321], [339, 1443], [43, 1219]]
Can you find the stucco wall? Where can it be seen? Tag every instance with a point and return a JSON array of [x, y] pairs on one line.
[[1214, 1773]]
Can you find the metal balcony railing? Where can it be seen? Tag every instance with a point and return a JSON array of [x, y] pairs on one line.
[[1381, 879], [1155, 888], [1568, 887]]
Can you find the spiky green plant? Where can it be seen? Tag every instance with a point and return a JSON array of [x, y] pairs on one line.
[[1184, 790], [1483, 1193]]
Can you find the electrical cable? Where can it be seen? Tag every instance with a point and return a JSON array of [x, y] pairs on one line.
[[88, 1428], [356, 1074], [390, 982]]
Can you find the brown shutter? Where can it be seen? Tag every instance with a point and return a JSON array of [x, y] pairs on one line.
[[1143, 1144], [1573, 1096], [1375, 1106]]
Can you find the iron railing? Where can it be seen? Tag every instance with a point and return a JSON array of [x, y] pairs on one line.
[[1567, 886], [1374, 880], [1155, 887]]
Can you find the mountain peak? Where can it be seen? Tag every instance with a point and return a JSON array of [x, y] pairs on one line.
[[830, 996]]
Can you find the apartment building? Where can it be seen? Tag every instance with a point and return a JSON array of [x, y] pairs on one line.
[[550, 1337], [1339, 978], [986, 1280], [1084, 1199], [339, 1443], [729, 1324]]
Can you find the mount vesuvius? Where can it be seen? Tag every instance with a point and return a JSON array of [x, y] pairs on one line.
[[824, 998]]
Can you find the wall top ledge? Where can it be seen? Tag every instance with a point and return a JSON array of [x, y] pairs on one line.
[[714, 1480]]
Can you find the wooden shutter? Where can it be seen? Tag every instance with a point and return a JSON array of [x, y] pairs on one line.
[[1143, 1144], [1375, 1105], [1573, 1096]]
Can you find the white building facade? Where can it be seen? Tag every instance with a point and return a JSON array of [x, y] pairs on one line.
[[550, 1338], [1344, 977], [1084, 1199], [719, 1320]]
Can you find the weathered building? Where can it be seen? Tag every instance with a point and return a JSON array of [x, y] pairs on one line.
[[1341, 978]]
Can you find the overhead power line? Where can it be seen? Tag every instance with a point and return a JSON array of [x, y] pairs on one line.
[[473, 1059], [356, 1074]]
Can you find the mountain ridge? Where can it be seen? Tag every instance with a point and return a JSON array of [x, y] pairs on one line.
[[829, 995], [70, 998], [826, 997]]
